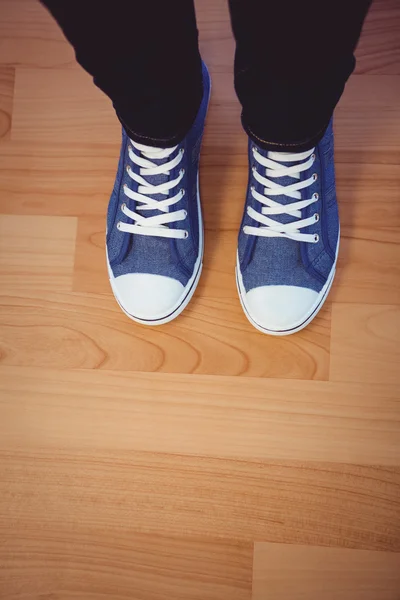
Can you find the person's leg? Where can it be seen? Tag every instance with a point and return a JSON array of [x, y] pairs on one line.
[[293, 59], [144, 56]]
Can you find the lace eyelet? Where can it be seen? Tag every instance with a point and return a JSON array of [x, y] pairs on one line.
[[119, 225], [182, 172], [123, 206], [316, 217], [316, 238], [127, 168], [182, 151], [182, 191], [315, 176], [185, 211], [253, 188], [186, 235], [316, 196], [313, 156]]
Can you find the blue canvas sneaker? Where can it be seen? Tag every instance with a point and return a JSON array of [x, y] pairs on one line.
[[155, 227], [289, 239]]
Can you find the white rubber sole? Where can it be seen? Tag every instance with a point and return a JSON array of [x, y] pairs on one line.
[[312, 313]]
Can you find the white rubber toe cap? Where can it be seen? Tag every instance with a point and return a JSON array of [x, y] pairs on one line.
[[146, 296], [280, 308]]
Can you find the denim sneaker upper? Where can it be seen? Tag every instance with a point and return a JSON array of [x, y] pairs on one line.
[[154, 225], [288, 241]]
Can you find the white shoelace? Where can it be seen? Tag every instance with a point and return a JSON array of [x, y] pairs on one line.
[[156, 225], [273, 169]]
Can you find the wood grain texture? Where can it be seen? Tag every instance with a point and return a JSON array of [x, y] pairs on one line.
[[77, 564], [369, 115], [57, 488], [153, 463], [309, 573], [7, 76], [134, 454], [90, 331], [365, 343], [36, 252], [378, 51], [29, 37], [216, 41], [62, 179], [369, 259], [240, 419], [47, 101]]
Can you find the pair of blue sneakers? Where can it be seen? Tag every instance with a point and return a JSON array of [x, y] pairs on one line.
[[288, 241]]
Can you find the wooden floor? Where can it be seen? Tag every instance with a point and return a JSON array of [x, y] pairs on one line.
[[200, 460]]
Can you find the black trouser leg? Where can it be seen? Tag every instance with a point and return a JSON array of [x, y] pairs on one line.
[[144, 55], [292, 61]]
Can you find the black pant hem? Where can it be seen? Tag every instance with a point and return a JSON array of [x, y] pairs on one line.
[[292, 146], [154, 142]]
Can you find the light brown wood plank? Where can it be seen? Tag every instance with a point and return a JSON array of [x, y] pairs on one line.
[[36, 252], [143, 464], [365, 343], [61, 105], [93, 563], [7, 76], [369, 258], [216, 40], [368, 270], [30, 37], [55, 488], [90, 331], [378, 51], [369, 200], [286, 572], [368, 119], [90, 272], [228, 418], [56, 179]]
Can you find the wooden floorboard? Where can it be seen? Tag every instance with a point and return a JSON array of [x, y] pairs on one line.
[[297, 572], [199, 460]]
